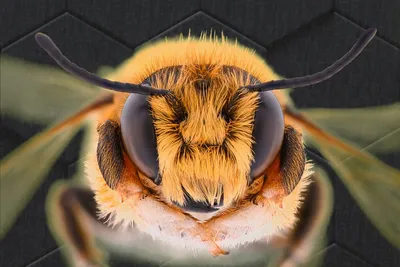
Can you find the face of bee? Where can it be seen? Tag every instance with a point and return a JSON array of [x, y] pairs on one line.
[[206, 142], [211, 136]]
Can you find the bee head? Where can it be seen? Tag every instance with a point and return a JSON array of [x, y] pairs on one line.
[[206, 141]]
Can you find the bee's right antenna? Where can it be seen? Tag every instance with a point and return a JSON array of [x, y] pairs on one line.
[[50, 47], [361, 43]]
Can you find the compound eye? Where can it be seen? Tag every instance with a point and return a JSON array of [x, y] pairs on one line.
[[138, 136], [268, 133]]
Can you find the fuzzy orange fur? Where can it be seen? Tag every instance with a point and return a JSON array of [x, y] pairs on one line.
[[206, 171]]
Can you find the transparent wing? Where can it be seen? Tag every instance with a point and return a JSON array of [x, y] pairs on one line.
[[373, 184], [361, 126], [23, 170], [40, 93]]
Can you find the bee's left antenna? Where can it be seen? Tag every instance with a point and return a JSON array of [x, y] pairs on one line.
[[318, 77], [51, 48]]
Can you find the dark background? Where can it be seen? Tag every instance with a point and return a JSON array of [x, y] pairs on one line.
[[296, 37]]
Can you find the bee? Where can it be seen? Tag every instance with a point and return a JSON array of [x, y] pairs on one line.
[[194, 145]]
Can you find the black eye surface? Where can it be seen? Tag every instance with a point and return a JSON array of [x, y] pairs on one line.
[[268, 133], [139, 137]]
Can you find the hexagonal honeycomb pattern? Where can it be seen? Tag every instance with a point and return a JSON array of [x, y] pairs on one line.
[[295, 37]]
